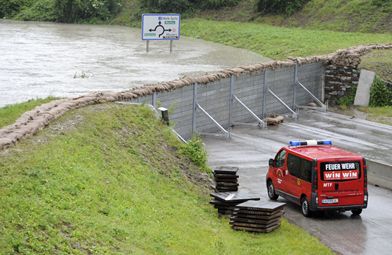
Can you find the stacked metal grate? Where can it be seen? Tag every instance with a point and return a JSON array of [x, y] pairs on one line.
[[257, 216], [226, 179], [225, 202]]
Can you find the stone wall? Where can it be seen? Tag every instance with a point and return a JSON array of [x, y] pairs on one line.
[[342, 72], [340, 81]]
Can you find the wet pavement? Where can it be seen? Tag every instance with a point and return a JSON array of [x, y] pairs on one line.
[[251, 147], [65, 60]]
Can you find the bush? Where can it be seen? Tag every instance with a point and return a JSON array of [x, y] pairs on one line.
[[9, 8], [381, 3], [286, 7], [165, 5], [42, 10], [183, 6], [380, 94], [213, 4], [76, 10], [195, 151]]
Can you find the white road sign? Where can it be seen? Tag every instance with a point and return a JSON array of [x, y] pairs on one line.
[[160, 26]]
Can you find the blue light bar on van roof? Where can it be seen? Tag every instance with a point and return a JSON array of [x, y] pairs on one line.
[[310, 142]]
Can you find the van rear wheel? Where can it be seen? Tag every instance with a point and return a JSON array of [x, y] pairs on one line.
[[356, 211], [305, 207], [271, 191]]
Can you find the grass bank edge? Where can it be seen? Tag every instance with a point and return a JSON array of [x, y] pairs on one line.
[[99, 178], [277, 42], [10, 113]]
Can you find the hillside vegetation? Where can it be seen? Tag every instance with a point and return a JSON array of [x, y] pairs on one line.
[[379, 61], [110, 179], [100, 11], [348, 15]]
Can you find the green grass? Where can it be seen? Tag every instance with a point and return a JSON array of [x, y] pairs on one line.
[[277, 42], [338, 15], [376, 114], [349, 15], [108, 179], [10, 113], [379, 61], [379, 114]]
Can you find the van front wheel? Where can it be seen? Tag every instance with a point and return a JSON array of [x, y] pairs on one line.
[[271, 191], [356, 211], [305, 207]]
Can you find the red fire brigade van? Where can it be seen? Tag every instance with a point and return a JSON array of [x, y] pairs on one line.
[[318, 176]]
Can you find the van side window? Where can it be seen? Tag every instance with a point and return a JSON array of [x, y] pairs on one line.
[[293, 165], [280, 158], [299, 167], [306, 170]]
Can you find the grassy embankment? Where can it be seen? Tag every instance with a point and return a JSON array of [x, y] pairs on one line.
[[379, 61], [109, 179], [10, 113], [277, 42], [350, 15]]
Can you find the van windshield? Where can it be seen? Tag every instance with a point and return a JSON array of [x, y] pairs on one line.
[[340, 171]]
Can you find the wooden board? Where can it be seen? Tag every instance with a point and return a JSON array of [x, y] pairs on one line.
[[228, 176], [235, 196], [255, 221], [226, 170], [255, 230], [253, 212], [226, 180], [228, 185], [256, 217], [261, 206]]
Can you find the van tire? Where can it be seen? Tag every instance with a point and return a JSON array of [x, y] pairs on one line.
[[305, 207], [356, 212], [271, 191]]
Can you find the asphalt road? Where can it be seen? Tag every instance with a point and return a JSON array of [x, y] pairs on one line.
[[250, 148]]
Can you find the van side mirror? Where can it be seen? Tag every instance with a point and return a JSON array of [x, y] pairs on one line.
[[271, 162]]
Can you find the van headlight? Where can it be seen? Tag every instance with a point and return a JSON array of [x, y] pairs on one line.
[[317, 200], [365, 198]]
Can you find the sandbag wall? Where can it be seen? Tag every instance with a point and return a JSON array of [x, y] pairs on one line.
[[251, 84], [250, 88]]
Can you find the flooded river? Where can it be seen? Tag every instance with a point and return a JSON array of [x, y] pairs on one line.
[[42, 59]]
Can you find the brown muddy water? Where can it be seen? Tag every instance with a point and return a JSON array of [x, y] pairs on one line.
[[63, 60]]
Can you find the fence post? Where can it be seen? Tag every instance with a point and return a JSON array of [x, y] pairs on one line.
[[194, 106], [154, 99], [264, 103], [295, 86], [231, 101]]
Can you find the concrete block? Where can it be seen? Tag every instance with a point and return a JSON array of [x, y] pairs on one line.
[[380, 174], [362, 96]]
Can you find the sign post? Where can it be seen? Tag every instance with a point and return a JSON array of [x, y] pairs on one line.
[[160, 27]]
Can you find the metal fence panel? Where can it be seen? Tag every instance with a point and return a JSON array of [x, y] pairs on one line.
[[214, 98]]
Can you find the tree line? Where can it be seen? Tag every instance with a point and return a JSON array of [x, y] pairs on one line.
[[70, 11]]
